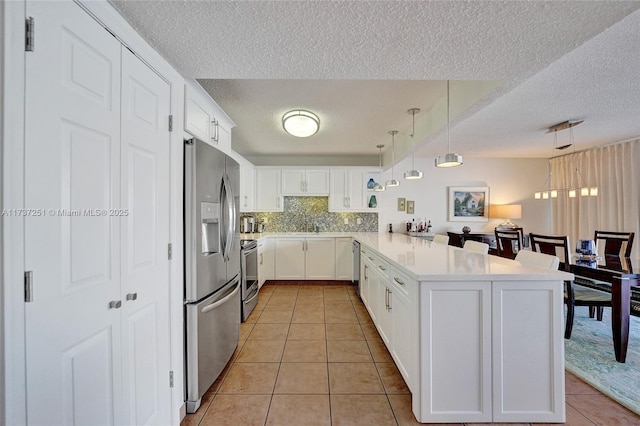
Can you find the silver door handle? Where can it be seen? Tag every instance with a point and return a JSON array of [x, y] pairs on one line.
[[115, 304], [388, 299], [398, 281], [261, 258], [132, 296]]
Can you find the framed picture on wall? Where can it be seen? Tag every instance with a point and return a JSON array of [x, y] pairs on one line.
[[401, 206], [468, 203]]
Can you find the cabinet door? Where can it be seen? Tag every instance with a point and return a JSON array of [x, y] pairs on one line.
[[266, 260], [290, 259], [365, 267], [247, 187], [357, 182], [317, 182], [344, 259], [404, 325], [293, 182], [528, 360], [268, 195], [320, 258], [198, 113], [382, 300], [455, 331], [338, 195]]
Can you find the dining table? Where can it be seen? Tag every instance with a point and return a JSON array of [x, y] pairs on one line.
[[619, 272]]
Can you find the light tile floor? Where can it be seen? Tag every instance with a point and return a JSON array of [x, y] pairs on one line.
[[310, 355]]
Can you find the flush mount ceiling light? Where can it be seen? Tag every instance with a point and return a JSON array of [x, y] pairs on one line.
[[300, 123], [393, 181], [449, 159], [377, 187], [413, 173]]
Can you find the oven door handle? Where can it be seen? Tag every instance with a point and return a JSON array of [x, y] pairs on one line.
[[253, 296]]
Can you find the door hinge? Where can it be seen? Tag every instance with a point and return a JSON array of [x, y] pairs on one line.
[[29, 34], [171, 123], [170, 379], [28, 286], [170, 251]]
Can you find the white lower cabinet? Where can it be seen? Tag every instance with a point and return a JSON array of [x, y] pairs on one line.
[[305, 258], [402, 301], [266, 260], [344, 259]]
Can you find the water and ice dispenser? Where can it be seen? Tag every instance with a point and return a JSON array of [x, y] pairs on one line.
[[210, 214]]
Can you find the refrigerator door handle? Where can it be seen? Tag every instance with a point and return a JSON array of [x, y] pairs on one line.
[[220, 302], [230, 219]]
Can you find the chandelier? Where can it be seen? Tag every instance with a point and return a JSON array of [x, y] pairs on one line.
[[577, 183]]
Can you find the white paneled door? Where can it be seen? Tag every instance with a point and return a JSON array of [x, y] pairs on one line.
[[92, 356], [145, 235]]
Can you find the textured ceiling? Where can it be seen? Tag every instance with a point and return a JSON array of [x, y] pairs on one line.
[[361, 64]]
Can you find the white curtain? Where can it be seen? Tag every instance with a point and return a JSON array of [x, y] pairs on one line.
[[615, 170]]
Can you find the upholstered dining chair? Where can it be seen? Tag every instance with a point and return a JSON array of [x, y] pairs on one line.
[[508, 242], [476, 246], [539, 260], [575, 294], [441, 239], [610, 243]]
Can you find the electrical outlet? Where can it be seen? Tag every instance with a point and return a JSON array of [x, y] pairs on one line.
[[346, 220], [359, 221]]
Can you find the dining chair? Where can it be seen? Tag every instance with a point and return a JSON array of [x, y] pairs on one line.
[[441, 239], [539, 260], [476, 246], [508, 242], [575, 294], [615, 243]]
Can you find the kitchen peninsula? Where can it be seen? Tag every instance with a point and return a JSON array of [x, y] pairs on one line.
[[477, 338]]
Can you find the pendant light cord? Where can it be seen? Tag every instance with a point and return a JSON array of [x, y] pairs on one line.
[[413, 149], [448, 121], [393, 152]]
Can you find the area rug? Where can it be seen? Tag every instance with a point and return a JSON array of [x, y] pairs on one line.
[[589, 355]]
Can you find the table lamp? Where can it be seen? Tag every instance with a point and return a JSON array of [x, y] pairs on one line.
[[508, 212]]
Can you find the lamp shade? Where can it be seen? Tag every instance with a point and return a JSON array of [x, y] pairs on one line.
[[300, 123], [506, 211]]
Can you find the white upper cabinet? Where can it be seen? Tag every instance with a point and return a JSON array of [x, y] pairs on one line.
[[247, 186], [305, 182], [204, 119], [268, 193], [348, 190]]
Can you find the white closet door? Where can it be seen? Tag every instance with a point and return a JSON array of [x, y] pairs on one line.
[[72, 157], [145, 236]]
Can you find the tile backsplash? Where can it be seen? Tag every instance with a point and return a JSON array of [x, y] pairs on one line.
[[302, 214]]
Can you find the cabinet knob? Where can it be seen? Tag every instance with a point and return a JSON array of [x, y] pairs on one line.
[[115, 304], [132, 296]]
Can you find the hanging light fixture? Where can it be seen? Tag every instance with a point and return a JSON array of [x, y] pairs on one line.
[[577, 185], [393, 181], [300, 123], [413, 173], [377, 187], [449, 159]]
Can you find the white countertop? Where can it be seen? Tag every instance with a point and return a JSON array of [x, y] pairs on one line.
[[429, 261]]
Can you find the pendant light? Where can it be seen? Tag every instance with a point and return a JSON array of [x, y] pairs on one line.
[[378, 187], [413, 173], [393, 181], [449, 159]]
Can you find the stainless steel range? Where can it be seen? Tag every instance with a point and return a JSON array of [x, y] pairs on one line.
[[248, 276]]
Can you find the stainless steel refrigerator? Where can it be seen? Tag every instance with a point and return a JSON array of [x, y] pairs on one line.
[[212, 265]]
